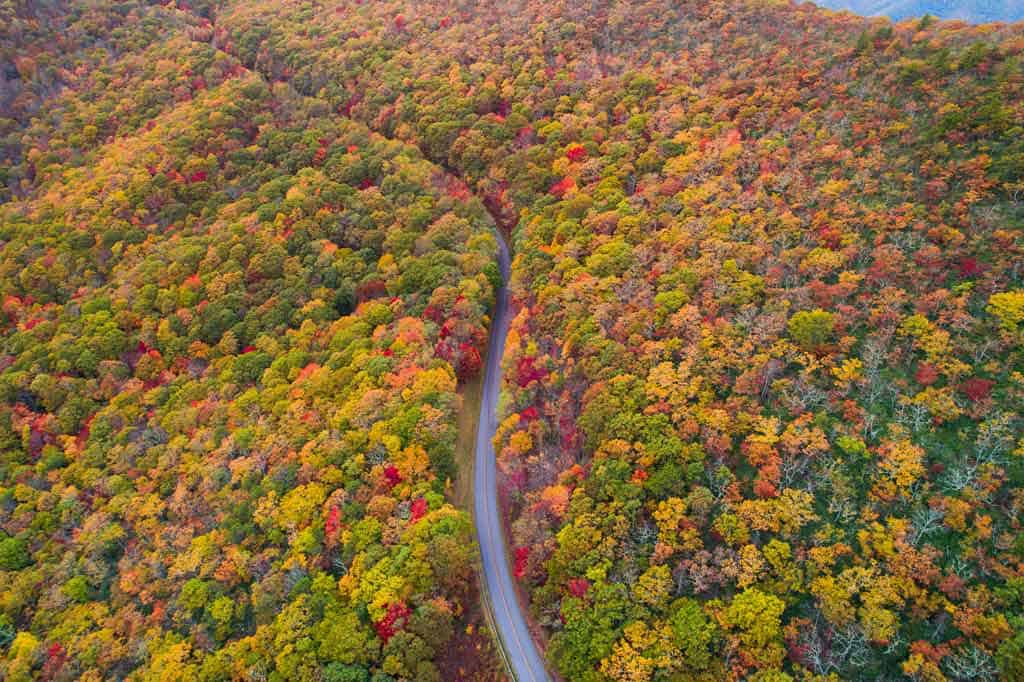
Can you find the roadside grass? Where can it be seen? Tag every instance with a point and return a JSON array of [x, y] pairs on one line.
[[461, 492]]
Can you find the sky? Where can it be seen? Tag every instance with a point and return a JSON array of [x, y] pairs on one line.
[[968, 10]]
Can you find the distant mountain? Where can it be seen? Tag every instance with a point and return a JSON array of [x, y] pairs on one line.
[[976, 11]]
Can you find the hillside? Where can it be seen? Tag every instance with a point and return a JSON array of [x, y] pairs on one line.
[[233, 328], [761, 405]]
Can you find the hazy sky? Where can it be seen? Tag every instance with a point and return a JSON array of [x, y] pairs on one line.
[[969, 10]]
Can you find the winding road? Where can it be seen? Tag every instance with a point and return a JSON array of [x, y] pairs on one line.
[[521, 653], [524, 659]]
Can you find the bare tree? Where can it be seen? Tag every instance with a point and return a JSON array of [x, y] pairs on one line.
[[983, 350], [970, 663], [925, 521], [828, 650], [960, 476], [995, 438], [850, 645]]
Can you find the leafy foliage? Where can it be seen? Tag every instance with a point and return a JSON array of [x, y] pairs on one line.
[[762, 388], [744, 231], [214, 354]]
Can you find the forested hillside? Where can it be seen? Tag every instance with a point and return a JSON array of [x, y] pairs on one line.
[[762, 403], [233, 328]]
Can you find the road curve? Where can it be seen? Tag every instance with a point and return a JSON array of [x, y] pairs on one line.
[[521, 653]]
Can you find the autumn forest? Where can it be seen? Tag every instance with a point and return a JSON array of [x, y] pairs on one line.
[[761, 406]]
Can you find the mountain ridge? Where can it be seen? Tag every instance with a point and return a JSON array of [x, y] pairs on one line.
[[975, 11]]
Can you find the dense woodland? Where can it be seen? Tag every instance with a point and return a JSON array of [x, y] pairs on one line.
[[762, 402], [233, 329]]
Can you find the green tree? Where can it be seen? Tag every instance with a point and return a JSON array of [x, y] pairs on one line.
[[693, 633], [757, 619], [343, 638], [811, 329], [14, 554]]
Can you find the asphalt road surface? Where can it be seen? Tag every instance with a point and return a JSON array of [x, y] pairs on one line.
[[521, 653]]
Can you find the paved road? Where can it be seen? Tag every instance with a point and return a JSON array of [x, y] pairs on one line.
[[521, 653]]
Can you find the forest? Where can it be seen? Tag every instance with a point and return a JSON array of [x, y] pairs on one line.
[[234, 326], [761, 403]]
